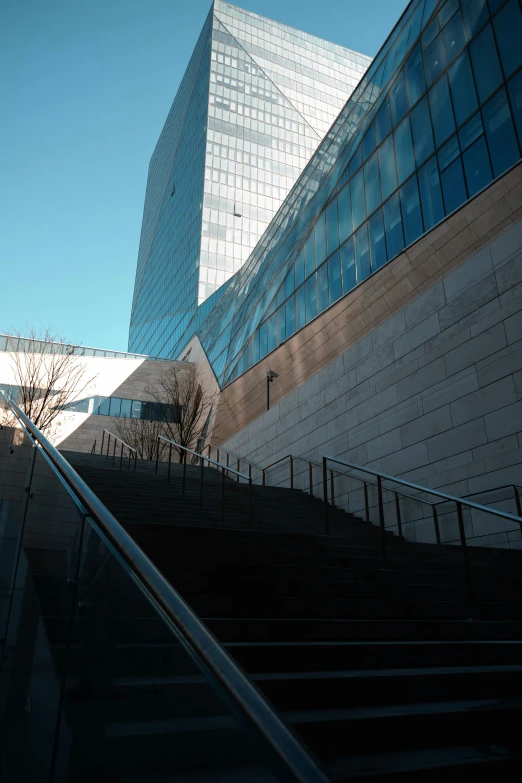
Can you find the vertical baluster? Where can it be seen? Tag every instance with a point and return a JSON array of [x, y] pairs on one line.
[[398, 512], [325, 498], [170, 456], [366, 502], [381, 517]]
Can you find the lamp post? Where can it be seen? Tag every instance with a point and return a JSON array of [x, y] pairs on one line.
[[269, 379]]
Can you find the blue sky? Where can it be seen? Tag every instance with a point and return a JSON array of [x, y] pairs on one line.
[[86, 88]]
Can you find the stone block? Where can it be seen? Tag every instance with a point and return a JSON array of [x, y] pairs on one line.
[[388, 443], [373, 363], [506, 421], [508, 243], [510, 273], [504, 366], [468, 301], [390, 329], [421, 380], [513, 327], [406, 459], [357, 352], [364, 433], [423, 306], [463, 438], [400, 414], [416, 336], [496, 447], [426, 426], [485, 400], [453, 340], [477, 348], [464, 277], [517, 378], [497, 314], [378, 403]]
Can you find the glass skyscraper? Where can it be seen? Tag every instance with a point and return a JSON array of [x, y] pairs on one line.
[[254, 104]]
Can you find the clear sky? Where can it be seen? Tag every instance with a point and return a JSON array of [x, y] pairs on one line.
[[85, 87]]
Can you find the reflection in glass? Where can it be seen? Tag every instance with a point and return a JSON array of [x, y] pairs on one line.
[[334, 276], [454, 37], [300, 314], [398, 99], [453, 187], [311, 298], [373, 184], [383, 121], [349, 279], [358, 200], [362, 253], [462, 88], [332, 226], [404, 150], [515, 93], [476, 166], [415, 81], [485, 62], [411, 211], [441, 111], [393, 226], [345, 214], [320, 240], [434, 60], [377, 242], [422, 133], [500, 133], [430, 192], [475, 13], [508, 31], [387, 167], [290, 316], [322, 288]]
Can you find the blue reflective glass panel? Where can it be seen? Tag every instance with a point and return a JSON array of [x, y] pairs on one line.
[[345, 214], [387, 167], [126, 408], [434, 61], [393, 226], [263, 343], [362, 253], [453, 187], [500, 133], [441, 111], [430, 193], [280, 298], [411, 211], [475, 13], [322, 288], [494, 5], [373, 184], [309, 253], [300, 313], [486, 66], [281, 325], [471, 131], [320, 240], [448, 152], [332, 226], [508, 30], [349, 279], [356, 161], [271, 332], [421, 129], [358, 199], [369, 142], [311, 298], [104, 406], [404, 150], [454, 37], [429, 33], [334, 276], [255, 347], [377, 243], [476, 166], [415, 81], [398, 99], [515, 93], [447, 11], [115, 406], [383, 121], [462, 88], [290, 316], [289, 283], [136, 409], [299, 269]]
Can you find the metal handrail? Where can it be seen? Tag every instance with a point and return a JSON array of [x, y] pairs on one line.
[[514, 486], [238, 459], [287, 756], [123, 445], [202, 459]]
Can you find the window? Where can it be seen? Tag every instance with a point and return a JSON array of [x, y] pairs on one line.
[[322, 288], [356, 161], [387, 167], [377, 243], [471, 131], [281, 326], [448, 152], [358, 200], [334, 276], [373, 184], [383, 121], [453, 37], [393, 226], [136, 409], [263, 342], [500, 133], [103, 410], [309, 253], [290, 316], [475, 13], [416, 84], [434, 61], [362, 254], [300, 314], [476, 166], [485, 63], [462, 88], [447, 11], [421, 129], [311, 298], [404, 150], [271, 332], [332, 226], [441, 111], [453, 187], [126, 407], [368, 143], [398, 99], [255, 347], [345, 214], [430, 193], [320, 240], [349, 279], [411, 211], [299, 268], [289, 283], [508, 30], [515, 93]]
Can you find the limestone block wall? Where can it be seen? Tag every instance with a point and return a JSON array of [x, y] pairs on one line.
[[433, 394]]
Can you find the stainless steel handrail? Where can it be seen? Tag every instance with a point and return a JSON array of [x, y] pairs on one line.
[[123, 444], [287, 756], [238, 459], [514, 486]]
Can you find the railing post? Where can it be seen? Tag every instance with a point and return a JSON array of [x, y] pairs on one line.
[[366, 502], [184, 473], [264, 479], [135, 459], [517, 501], [250, 471], [222, 516], [121, 455], [463, 544], [157, 454], [170, 457], [311, 478], [209, 448], [398, 512], [201, 469], [129, 460], [291, 472], [249, 500], [436, 523], [325, 498], [108, 445], [332, 489], [237, 468], [227, 462], [114, 451], [381, 517], [103, 438]]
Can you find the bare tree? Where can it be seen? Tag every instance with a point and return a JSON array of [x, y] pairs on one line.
[[48, 376], [140, 434], [183, 406]]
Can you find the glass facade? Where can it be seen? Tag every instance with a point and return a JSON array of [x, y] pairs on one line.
[[436, 118], [255, 102]]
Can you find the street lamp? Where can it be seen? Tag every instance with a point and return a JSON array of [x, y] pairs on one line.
[[269, 378]]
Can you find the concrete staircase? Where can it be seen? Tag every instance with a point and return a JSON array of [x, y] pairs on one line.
[[390, 670]]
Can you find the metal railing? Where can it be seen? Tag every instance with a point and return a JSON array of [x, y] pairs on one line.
[[284, 753], [225, 470], [380, 477], [516, 493], [132, 453], [235, 457]]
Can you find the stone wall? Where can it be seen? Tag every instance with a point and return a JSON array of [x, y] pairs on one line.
[[433, 394]]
